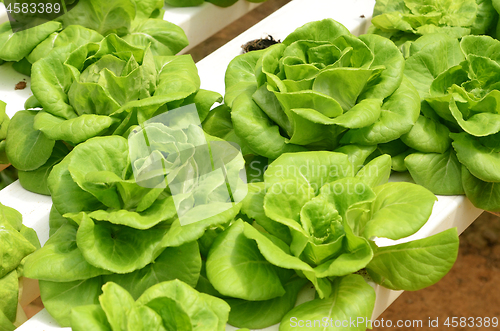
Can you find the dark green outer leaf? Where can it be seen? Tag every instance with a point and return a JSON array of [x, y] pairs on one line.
[[439, 173], [236, 268], [483, 195], [27, 149], [91, 317], [183, 263], [483, 162], [262, 314], [36, 180], [60, 298], [61, 260]]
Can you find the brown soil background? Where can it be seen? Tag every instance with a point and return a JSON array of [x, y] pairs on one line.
[[470, 289]]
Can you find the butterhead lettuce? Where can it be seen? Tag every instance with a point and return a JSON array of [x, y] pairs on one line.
[[316, 218], [406, 20], [101, 88], [140, 23], [115, 220], [455, 141], [320, 88], [171, 305], [18, 241]]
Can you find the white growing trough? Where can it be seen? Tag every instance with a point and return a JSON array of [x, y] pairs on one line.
[[199, 23]]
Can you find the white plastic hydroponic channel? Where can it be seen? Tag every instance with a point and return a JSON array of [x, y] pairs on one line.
[[448, 212]]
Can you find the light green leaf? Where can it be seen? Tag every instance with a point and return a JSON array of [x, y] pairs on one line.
[[60, 260], [236, 268], [118, 248], [116, 303], [351, 298], [417, 264], [18, 45], [91, 317], [395, 215]]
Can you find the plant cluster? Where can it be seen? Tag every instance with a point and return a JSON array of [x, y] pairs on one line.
[[138, 22], [454, 147], [18, 241], [407, 20], [101, 88], [116, 218], [320, 88]]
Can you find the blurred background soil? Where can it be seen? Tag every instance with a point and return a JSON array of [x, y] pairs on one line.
[[471, 289]]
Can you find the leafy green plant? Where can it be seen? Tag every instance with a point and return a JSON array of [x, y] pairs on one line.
[[318, 217], [18, 241], [140, 23], [171, 305], [454, 145], [4, 124], [406, 20], [107, 228], [101, 88], [320, 88]]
